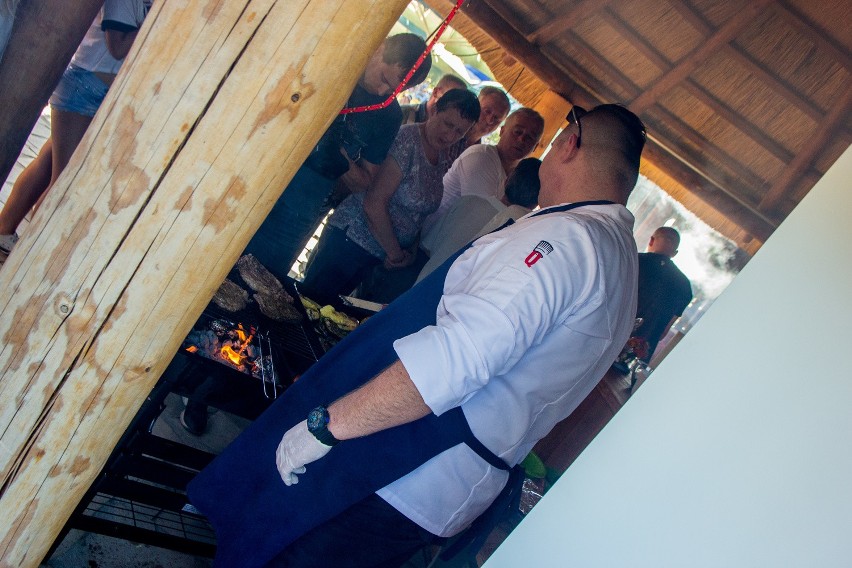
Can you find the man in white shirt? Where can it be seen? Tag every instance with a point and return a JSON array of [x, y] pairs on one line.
[[524, 323], [482, 169], [472, 216]]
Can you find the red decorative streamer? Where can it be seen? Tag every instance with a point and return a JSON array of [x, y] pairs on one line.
[[411, 71]]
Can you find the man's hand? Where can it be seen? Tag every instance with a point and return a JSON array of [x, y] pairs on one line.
[[298, 448]]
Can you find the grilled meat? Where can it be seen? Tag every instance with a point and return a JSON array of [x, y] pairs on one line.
[[258, 277], [231, 297]]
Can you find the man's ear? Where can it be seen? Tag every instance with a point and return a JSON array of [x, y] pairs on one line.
[[569, 147]]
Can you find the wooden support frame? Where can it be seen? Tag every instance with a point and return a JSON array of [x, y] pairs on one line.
[[566, 20], [214, 110], [679, 72], [783, 186]]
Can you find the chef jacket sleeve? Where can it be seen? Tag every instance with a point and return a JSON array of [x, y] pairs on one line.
[[496, 306]]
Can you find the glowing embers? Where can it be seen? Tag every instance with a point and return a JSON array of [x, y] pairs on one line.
[[244, 349]]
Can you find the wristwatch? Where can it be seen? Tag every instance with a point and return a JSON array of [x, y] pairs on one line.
[[318, 419]]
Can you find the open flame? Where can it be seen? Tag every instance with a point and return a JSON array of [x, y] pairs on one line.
[[237, 356], [228, 342], [232, 344]]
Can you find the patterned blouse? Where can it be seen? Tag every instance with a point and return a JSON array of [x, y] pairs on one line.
[[419, 194]]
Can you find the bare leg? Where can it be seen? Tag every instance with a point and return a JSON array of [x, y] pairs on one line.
[[30, 185], [67, 129]]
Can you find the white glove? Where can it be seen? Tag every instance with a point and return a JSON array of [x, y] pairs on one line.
[[298, 447]]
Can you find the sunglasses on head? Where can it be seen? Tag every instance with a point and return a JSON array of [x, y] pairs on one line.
[[577, 112]]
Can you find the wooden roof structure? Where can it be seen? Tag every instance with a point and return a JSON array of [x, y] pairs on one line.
[[746, 103]]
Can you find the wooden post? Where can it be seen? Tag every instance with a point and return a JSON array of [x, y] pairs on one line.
[[216, 107], [45, 35], [553, 108]]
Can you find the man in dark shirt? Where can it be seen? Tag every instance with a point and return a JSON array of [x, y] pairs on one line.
[[664, 291], [350, 151]]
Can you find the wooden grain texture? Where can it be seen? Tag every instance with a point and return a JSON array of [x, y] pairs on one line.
[[216, 107]]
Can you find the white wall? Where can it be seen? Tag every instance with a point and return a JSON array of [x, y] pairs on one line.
[[737, 451]]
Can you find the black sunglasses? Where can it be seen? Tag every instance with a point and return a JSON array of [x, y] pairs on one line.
[[577, 112]]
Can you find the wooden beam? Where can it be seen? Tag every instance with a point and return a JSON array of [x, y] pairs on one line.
[[730, 173], [566, 21], [737, 120], [712, 192], [803, 160], [688, 64], [637, 41], [44, 37], [692, 17], [594, 90], [815, 34], [777, 85], [553, 109], [610, 71], [709, 191], [196, 139], [515, 44]]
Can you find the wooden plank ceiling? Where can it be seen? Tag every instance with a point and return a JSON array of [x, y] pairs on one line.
[[747, 104]]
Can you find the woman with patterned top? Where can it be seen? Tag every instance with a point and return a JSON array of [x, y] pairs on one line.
[[382, 225]]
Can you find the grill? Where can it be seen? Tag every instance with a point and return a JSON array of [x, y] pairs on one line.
[[140, 494]]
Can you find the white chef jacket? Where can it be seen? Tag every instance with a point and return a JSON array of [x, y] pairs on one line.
[[531, 318]]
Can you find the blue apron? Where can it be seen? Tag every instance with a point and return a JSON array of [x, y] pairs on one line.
[[254, 514]]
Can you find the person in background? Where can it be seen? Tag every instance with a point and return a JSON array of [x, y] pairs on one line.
[[664, 291], [482, 169], [472, 216], [75, 100], [495, 108], [420, 112], [351, 151], [384, 285], [381, 226], [408, 431]]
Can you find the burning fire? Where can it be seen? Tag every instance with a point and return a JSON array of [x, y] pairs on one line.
[[237, 357], [243, 348]]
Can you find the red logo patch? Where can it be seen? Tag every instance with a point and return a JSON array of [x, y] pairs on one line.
[[541, 249]]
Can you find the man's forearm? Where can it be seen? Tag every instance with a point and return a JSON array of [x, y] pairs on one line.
[[388, 400]]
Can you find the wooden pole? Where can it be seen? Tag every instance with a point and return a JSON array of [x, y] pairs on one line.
[[44, 37], [553, 108], [216, 107]]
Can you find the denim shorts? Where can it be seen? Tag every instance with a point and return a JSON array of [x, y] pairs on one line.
[[79, 91]]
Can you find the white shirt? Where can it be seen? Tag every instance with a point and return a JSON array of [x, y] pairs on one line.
[[477, 171], [520, 340], [92, 54], [463, 222]]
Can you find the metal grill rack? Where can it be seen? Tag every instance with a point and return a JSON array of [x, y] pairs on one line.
[[142, 522], [140, 494]]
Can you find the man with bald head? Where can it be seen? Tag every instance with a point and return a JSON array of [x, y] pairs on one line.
[[410, 431], [664, 291], [414, 113]]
